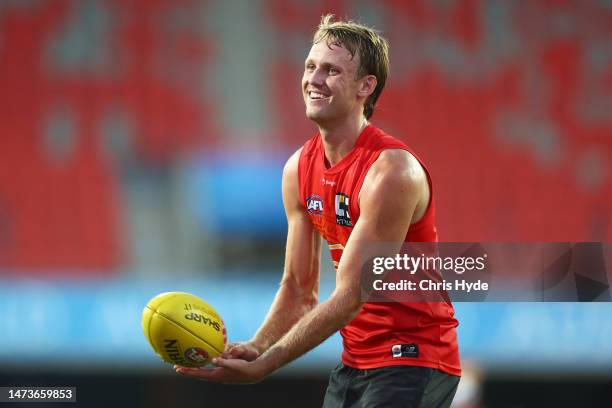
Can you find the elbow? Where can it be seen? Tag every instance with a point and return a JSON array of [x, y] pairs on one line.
[[354, 310], [349, 305], [350, 313]]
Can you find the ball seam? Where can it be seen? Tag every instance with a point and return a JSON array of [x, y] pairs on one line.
[[187, 330]]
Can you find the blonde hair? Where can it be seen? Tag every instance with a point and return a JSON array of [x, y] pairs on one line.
[[367, 43]]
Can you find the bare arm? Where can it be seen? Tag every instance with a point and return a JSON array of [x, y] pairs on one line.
[[299, 286], [298, 291]]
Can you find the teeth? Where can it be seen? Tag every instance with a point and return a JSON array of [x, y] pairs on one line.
[[316, 95]]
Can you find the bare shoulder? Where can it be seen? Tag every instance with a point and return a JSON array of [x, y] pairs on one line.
[[394, 193], [291, 166], [290, 184], [397, 167], [396, 184]]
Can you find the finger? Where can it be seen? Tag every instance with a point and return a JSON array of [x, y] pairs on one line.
[[233, 351], [228, 352], [251, 355], [233, 364], [211, 374], [217, 375], [238, 351]]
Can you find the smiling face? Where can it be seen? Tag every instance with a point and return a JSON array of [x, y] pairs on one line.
[[329, 86]]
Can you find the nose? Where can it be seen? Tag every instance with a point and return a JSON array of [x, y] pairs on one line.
[[316, 77]]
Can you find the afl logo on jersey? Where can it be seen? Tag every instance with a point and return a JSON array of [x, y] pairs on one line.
[[314, 205]]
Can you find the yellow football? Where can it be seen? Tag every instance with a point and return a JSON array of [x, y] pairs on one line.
[[183, 329]]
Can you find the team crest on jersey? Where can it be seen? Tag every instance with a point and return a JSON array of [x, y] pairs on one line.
[[314, 205], [342, 210]]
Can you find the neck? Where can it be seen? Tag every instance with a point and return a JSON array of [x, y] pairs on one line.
[[339, 140]]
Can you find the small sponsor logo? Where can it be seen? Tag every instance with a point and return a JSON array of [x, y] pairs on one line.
[[314, 205], [404, 350], [196, 355], [342, 210], [196, 317], [328, 182]]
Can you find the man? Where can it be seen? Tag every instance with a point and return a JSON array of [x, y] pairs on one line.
[[356, 187]]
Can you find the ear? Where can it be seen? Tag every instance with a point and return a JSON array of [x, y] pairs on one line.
[[367, 86]]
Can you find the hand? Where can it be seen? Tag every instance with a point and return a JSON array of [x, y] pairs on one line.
[[243, 351], [229, 371]]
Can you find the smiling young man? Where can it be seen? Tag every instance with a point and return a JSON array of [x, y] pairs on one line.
[[357, 187]]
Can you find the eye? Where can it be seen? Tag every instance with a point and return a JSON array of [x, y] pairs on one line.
[[333, 71], [310, 67]]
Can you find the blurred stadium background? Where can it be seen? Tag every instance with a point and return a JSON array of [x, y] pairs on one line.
[[141, 149]]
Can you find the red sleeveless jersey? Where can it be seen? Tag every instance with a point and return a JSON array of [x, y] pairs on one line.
[[383, 333]]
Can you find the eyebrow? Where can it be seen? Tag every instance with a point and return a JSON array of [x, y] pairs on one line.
[[323, 64]]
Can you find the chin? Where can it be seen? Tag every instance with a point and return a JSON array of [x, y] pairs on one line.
[[317, 115], [314, 116]]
